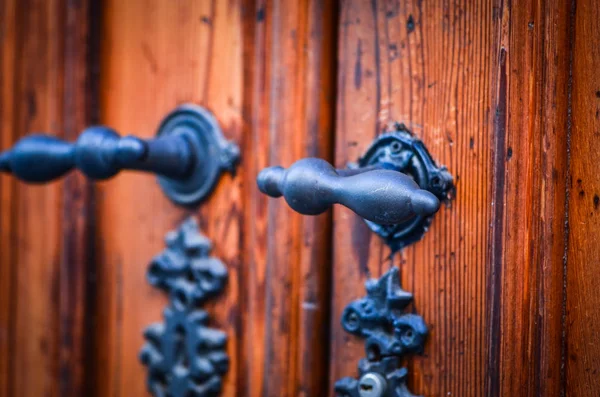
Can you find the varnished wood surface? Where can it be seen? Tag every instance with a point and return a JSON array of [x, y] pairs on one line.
[[37, 105], [412, 62], [289, 110], [527, 240], [78, 262], [504, 94], [485, 86], [155, 56], [8, 242], [43, 313], [271, 89], [582, 353]]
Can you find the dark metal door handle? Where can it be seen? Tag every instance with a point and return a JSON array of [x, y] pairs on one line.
[[311, 186], [188, 154], [395, 186], [99, 153]]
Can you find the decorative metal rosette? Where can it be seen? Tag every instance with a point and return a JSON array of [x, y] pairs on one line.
[[185, 357], [389, 334], [401, 151]]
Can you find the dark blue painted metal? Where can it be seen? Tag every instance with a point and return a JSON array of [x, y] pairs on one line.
[[389, 335], [184, 355], [401, 151], [396, 187], [310, 186], [189, 154]]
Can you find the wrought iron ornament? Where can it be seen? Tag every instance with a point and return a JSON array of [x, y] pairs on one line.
[[401, 151], [184, 355], [188, 154], [389, 334]]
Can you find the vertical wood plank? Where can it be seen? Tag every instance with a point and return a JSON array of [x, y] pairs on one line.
[[289, 107], [75, 361], [8, 199], [426, 64], [484, 85], [583, 316], [156, 55], [530, 167], [43, 309], [317, 124], [36, 105]]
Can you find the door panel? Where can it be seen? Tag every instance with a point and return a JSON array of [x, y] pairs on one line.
[[289, 109], [45, 86], [265, 73], [582, 354], [156, 55], [429, 67], [484, 85], [504, 94], [527, 246]]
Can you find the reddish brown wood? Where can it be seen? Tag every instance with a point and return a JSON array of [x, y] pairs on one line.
[[530, 167], [290, 67], [7, 191], [154, 56], [34, 75], [43, 308], [316, 123], [194, 52], [582, 309], [75, 361], [484, 85]]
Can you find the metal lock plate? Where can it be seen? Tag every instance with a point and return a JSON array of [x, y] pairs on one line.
[[214, 154], [401, 151], [389, 335]]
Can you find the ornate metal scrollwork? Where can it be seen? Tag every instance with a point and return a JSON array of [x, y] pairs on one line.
[[184, 355], [389, 334], [401, 151]]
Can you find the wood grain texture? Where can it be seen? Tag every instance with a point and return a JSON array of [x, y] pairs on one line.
[[289, 107], [583, 257], [156, 55], [530, 168], [77, 266], [36, 77], [8, 197], [484, 85], [429, 66], [278, 108], [43, 309], [506, 95]]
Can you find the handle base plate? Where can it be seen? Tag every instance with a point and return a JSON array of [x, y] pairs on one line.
[[214, 154], [400, 150]]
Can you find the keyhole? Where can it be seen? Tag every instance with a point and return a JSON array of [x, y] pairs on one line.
[[372, 384]]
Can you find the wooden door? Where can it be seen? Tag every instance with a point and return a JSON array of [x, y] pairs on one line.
[[74, 308], [505, 95]]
